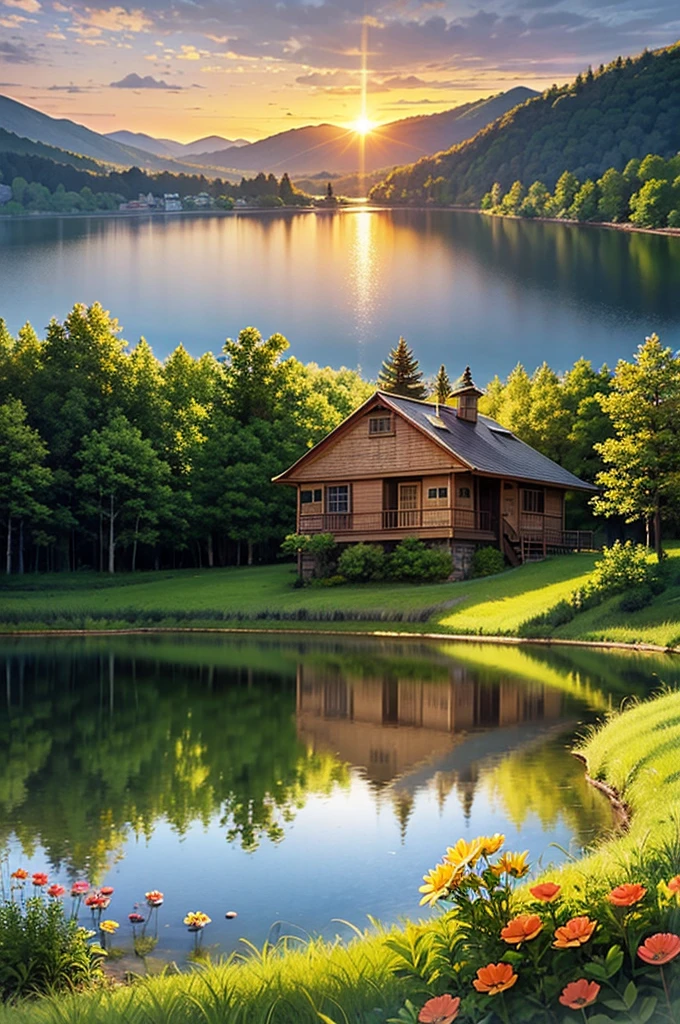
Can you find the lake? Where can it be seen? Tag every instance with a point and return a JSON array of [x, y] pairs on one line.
[[342, 286], [296, 781]]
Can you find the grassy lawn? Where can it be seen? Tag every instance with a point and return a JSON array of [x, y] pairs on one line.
[[264, 596], [635, 751]]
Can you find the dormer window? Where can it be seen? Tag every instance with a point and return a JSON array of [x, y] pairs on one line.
[[380, 425]]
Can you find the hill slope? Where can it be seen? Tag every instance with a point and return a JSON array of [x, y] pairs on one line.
[[11, 143], [327, 147], [626, 110], [170, 148]]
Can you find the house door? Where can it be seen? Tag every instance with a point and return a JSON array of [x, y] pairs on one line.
[[409, 512]]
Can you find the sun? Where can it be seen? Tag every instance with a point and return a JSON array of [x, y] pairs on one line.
[[362, 126]]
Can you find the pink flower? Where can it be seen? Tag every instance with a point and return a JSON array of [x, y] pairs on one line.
[[55, 891], [79, 888]]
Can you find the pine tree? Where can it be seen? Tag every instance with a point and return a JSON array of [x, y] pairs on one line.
[[442, 386], [400, 374]]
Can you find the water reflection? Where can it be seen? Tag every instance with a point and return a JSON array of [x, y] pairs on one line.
[[135, 758]]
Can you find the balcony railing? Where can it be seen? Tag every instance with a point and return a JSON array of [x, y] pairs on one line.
[[448, 518]]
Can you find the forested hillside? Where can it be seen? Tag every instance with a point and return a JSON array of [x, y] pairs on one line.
[[603, 119], [11, 143]]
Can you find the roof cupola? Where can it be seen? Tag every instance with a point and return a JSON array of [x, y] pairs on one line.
[[468, 394]]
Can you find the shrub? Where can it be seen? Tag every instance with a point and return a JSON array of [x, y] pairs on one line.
[[636, 599], [412, 561], [362, 562], [622, 566], [321, 546], [487, 562], [42, 951]]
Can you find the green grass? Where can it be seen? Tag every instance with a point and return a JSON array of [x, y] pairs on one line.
[[264, 597], [637, 751]]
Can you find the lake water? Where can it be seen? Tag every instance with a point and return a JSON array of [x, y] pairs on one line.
[[342, 286], [295, 781]]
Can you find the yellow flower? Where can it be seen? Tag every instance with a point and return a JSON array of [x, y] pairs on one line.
[[110, 927], [196, 919], [514, 864], [438, 882], [464, 854], [491, 844]]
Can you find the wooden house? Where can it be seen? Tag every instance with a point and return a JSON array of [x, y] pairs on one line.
[[398, 467]]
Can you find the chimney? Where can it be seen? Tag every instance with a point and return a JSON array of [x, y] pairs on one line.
[[468, 395]]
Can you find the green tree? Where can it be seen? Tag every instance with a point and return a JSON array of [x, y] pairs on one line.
[[512, 200], [400, 373], [536, 202], [565, 192], [122, 480], [652, 204], [442, 386], [253, 374], [654, 167], [24, 478], [642, 478], [614, 193], [585, 203]]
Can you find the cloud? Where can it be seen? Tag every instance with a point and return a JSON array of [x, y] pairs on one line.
[[16, 53], [28, 6], [135, 81]]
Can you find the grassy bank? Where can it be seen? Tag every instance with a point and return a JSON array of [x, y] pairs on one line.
[[264, 596], [636, 751]]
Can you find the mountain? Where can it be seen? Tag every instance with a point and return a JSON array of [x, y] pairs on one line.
[[71, 137], [11, 143], [170, 148], [315, 148], [623, 111]]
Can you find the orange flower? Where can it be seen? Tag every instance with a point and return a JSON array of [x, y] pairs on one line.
[[55, 891], [491, 844], [440, 1010], [575, 932], [107, 890], [578, 994], [464, 854], [660, 949], [514, 864], [546, 892], [674, 884], [154, 898], [523, 928], [39, 878], [494, 978], [438, 882], [20, 874], [626, 895]]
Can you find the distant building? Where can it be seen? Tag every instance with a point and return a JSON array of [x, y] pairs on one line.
[[172, 202], [5, 194]]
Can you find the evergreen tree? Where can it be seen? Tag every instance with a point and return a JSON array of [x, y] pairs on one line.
[[442, 386], [400, 374]]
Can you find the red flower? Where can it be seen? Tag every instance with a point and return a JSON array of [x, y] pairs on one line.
[[135, 918], [55, 891], [107, 890], [20, 874], [660, 949], [626, 895], [674, 884], [523, 928], [154, 898], [79, 888], [546, 892], [39, 879], [440, 1010], [96, 901], [578, 994]]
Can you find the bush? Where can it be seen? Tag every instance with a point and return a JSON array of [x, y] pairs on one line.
[[321, 546], [412, 561], [42, 951], [622, 566], [362, 562], [636, 599], [487, 562]]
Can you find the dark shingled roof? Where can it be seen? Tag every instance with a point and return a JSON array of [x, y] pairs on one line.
[[485, 446]]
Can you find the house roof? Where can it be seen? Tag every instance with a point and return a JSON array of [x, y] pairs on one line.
[[484, 446]]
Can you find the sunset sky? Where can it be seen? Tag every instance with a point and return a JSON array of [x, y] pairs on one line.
[[250, 68]]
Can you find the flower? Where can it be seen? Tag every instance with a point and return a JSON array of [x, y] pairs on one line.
[[494, 978], [79, 888], [107, 890], [514, 864], [20, 874], [575, 932], [195, 920], [522, 928], [546, 892], [110, 927], [55, 891], [626, 895], [674, 884], [136, 918], [154, 898], [438, 882], [39, 879], [660, 948], [578, 994], [464, 854], [491, 844], [440, 1010], [96, 901]]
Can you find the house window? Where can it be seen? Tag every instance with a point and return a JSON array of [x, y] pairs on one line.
[[443, 492], [318, 494], [378, 425], [533, 501], [463, 492], [306, 497], [337, 499], [432, 492]]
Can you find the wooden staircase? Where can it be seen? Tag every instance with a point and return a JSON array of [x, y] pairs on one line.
[[532, 547]]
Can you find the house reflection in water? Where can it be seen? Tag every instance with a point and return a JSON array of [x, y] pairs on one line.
[[404, 734]]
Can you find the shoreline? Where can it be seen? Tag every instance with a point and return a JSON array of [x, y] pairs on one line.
[[147, 215], [512, 641]]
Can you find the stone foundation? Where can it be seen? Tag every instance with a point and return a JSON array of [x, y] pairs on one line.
[[461, 554]]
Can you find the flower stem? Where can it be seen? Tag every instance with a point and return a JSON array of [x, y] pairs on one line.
[[666, 993]]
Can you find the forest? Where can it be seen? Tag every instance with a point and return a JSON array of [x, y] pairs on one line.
[[603, 119], [112, 459]]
